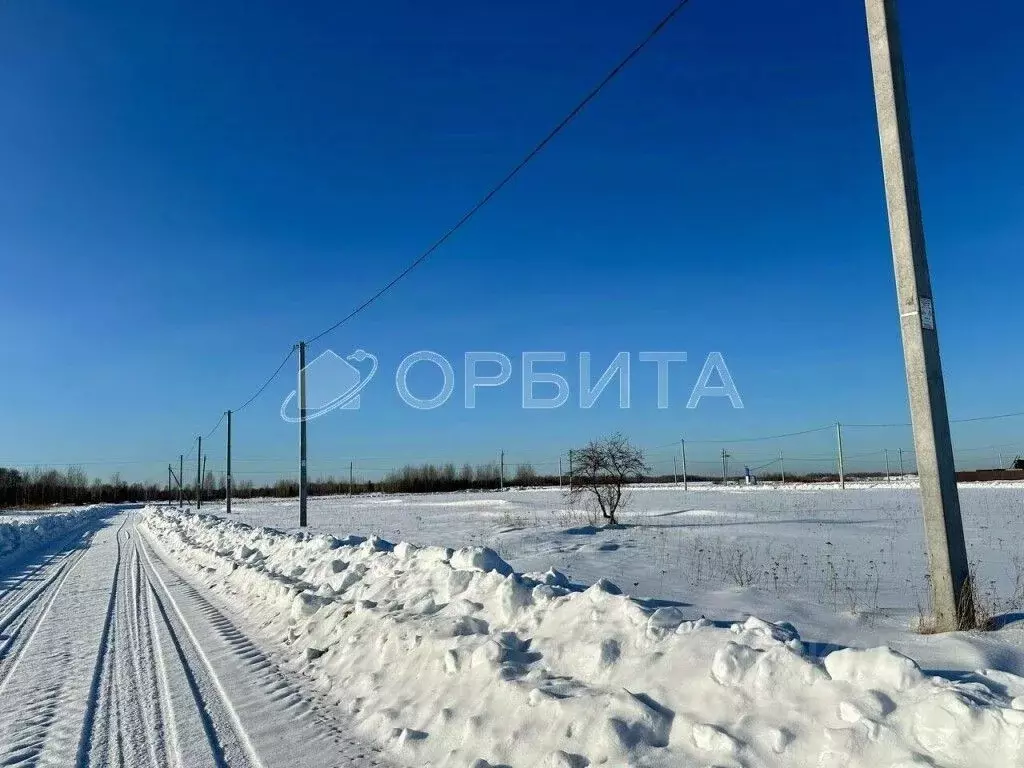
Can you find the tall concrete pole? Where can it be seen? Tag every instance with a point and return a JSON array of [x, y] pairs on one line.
[[782, 466], [682, 448], [887, 480], [199, 473], [501, 472], [559, 471], [675, 476], [839, 447], [181, 479], [351, 478], [901, 464], [302, 434], [169, 473], [227, 481], [952, 599]]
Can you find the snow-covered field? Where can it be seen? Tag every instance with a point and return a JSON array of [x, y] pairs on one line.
[[443, 659]]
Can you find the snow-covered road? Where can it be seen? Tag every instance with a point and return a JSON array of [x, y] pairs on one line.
[[110, 656]]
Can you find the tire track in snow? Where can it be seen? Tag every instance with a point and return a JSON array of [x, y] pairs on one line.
[[92, 702], [283, 725], [110, 657]]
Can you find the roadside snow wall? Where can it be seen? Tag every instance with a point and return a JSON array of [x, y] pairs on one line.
[[18, 537], [447, 658]]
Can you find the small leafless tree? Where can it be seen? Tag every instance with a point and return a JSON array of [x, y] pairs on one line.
[[602, 469]]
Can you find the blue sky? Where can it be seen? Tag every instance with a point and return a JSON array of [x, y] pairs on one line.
[[189, 188]]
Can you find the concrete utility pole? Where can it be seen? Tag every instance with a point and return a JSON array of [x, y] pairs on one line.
[[227, 480], [887, 480], [952, 597], [501, 472], [351, 478], [682, 448], [559, 471], [675, 477], [302, 434], [725, 467], [901, 464], [169, 473], [199, 471], [782, 466], [181, 480], [839, 445], [202, 483], [570, 470]]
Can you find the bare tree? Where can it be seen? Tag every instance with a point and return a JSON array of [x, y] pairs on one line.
[[602, 469]]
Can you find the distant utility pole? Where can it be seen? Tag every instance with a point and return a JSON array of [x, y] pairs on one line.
[[725, 467], [559, 471], [181, 480], [501, 472], [839, 446], [202, 483], [675, 477], [782, 466], [901, 463], [227, 480], [570, 470], [351, 478], [302, 434], [952, 596], [169, 473], [887, 480], [682, 449], [199, 471]]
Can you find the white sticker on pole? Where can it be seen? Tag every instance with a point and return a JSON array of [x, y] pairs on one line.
[[927, 313]]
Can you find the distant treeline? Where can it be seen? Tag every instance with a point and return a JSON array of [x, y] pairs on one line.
[[43, 487]]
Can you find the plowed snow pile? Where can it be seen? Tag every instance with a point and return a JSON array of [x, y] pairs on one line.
[[20, 536], [448, 658]]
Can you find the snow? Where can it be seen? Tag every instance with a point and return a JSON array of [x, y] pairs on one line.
[[443, 655], [21, 534]]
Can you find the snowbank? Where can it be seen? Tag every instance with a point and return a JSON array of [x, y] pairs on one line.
[[447, 658], [20, 536]]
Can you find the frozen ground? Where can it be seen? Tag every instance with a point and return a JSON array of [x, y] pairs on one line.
[[110, 657], [848, 566], [445, 657], [155, 637]]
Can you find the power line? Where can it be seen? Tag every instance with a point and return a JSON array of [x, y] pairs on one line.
[[767, 437], [266, 384], [591, 95]]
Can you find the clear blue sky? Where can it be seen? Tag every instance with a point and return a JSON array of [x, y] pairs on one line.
[[189, 188]]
